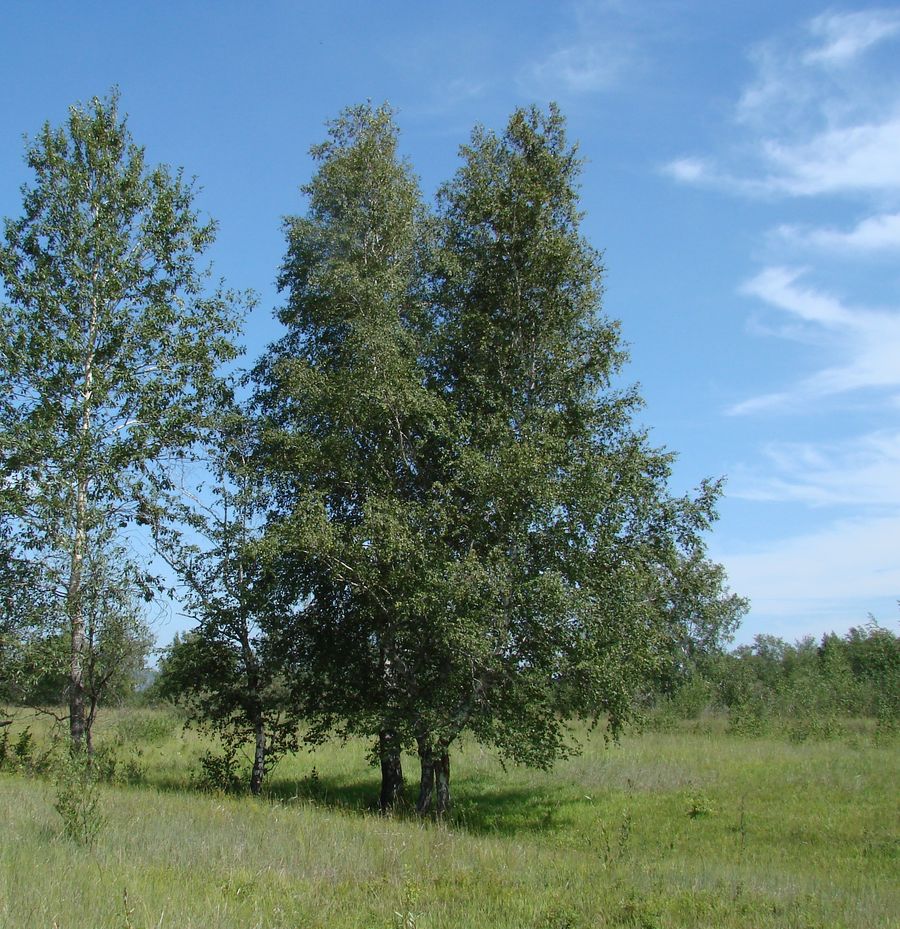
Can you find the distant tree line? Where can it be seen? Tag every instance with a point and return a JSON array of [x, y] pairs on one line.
[[427, 511], [807, 686]]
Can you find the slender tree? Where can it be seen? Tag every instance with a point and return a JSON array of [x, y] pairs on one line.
[[228, 670], [110, 342], [561, 524], [348, 422]]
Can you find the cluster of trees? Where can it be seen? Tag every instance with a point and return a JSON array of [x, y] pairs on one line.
[[433, 512], [804, 685]]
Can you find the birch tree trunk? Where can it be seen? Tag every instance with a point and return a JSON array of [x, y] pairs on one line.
[[75, 611], [259, 757], [427, 775], [442, 781]]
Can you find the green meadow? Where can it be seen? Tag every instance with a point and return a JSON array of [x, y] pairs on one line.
[[688, 827]]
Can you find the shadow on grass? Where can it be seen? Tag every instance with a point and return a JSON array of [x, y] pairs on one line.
[[479, 807]]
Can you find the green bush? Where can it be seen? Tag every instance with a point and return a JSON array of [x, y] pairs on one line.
[[219, 773], [78, 799]]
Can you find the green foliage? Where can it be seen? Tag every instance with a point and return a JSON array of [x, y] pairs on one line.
[[23, 754], [24, 747], [476, 534], [219, 773], [699, 804], [117, 642], [118, 762], [109, 348], [804, 691], [350, 431], [227, 673], [27, 654], [78, 799], [406, 916]]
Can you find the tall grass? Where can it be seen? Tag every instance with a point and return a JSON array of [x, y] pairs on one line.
[[666, 829]]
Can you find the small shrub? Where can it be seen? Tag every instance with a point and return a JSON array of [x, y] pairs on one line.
[[748, 719], [105, 761], [219, 773], [146, 728], [127, 911], [132, 770], [699, 805], [637, 913], [406, 917], [23, 749], [692, 698], [887, 720], [561, 916], [311, 785], [116, 764], [78, 800], [814, 727], [613, 851]]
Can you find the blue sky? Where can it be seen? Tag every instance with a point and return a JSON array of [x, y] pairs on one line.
[[742, 178]]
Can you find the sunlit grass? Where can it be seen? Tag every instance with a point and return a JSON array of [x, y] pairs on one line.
[[663, 830]]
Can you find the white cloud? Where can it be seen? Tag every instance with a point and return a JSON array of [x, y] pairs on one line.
[[689, 170], [867, 340], [856, 159], [778, 287], [818, 119], [846, 159], [853, 559], [847, 35], [861, 471], [781, 90], [598, 44], [587, 67], [819, 116], [880, 233]]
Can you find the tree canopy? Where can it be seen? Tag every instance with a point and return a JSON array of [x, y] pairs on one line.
[[480, 535]]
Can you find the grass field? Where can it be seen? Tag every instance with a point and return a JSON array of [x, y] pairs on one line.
[[685, 828]]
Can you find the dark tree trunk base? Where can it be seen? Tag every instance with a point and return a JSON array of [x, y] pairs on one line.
[[434, 784], [391, 771], [426, 778], [442, 782]]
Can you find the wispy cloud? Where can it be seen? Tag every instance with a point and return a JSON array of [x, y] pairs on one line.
[[874, 234], [845, 36], [818, 123], [867, 340], [581, 68], [854, 158], [814, 570], [859, 471], [817, 117], [596, 49]]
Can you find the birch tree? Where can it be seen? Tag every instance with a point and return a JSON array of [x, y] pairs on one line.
[[227, 671], [559, 521], [347, 422], [111, 336]]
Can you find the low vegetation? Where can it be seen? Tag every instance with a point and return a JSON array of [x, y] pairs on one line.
[[693, 826]]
